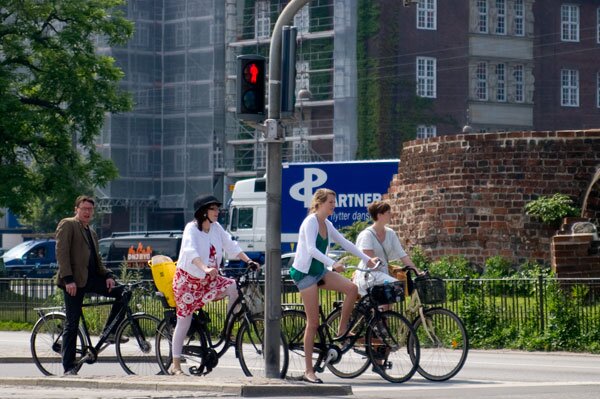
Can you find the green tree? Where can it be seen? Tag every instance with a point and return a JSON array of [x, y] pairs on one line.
[[55, 91]]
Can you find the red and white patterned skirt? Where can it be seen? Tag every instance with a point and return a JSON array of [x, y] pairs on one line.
[[192, 293]]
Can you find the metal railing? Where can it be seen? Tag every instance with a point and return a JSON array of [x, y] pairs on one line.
[[521, 303]]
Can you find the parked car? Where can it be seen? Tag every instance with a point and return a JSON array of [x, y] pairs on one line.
[[34, 259], [137, 248]]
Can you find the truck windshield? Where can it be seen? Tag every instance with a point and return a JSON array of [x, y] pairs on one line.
[[241, 218]]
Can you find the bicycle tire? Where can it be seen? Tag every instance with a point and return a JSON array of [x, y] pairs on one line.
[[293, 324], [444, 349], [250, 349], [46, 344], [195, 338], [393, 347], [355, 359], [136, 353]]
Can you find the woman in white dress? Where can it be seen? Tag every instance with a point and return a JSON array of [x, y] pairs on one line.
[[381, 242]]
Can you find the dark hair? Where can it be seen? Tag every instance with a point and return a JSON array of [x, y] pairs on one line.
[[377, 208], [84, 198]]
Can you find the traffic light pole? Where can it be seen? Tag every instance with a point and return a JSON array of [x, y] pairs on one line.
[[274, 138]]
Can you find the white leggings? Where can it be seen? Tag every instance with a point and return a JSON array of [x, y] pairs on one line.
[[183, 323]]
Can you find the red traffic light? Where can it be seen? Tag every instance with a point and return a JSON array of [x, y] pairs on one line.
[[251, 73]]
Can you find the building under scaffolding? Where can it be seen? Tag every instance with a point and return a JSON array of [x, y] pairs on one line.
[[183, 138]]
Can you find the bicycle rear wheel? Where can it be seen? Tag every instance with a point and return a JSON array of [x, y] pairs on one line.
[[250, 349], [354, 352], [46, 344], [135, 345], [444, 344], [393, 347]]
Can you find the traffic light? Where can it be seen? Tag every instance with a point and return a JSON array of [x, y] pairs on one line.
[[250, 97]]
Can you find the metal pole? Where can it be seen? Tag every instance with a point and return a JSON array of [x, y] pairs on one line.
[[274, 139]]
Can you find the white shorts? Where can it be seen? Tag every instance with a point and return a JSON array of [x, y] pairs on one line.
[[373, 278]]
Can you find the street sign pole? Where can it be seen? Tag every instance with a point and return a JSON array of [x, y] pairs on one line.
[[274, 138]]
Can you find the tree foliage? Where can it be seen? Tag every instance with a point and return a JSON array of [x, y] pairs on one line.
[[55, 91]]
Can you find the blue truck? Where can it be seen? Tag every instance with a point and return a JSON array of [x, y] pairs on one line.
[[356, 183], [34, 259]]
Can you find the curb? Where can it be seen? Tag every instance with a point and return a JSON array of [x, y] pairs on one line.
[[248, 387]]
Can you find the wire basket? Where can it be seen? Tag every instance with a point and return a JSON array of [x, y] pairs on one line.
[[432, 290], [387, 293], [254, 297]]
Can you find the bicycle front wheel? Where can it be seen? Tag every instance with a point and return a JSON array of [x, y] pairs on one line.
[[444, 344], [250, 349], [135, 345], [293, 324], [393, 347], [354, 353], [46, 344]]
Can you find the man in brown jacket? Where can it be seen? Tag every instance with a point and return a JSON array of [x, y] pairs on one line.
[[80, 271]]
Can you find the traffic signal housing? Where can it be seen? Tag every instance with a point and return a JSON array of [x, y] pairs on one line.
[[250, 96]]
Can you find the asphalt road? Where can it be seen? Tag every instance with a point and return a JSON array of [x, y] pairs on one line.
[[487, 374]]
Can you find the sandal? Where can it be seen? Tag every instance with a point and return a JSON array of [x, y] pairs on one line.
[[315, 381], [176, 372]]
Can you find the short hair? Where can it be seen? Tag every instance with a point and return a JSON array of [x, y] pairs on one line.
[[320, 197], [378, 208], [84, 198]]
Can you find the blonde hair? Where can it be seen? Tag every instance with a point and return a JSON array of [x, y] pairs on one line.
[[319, 197]]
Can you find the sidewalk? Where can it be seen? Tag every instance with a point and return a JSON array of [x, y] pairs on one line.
[[14, 348]]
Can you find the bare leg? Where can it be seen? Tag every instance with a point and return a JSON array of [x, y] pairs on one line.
[[310, 298], [339, 283]]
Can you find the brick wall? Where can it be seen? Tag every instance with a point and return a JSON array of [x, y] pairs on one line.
[[465, 194]]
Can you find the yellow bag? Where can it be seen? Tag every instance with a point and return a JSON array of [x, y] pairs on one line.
[[163, 271]]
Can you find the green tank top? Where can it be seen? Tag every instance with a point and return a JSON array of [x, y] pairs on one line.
[[316, 266]]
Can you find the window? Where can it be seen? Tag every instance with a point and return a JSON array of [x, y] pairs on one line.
[[302, 76], [241, 218], [569, 18], [426, 81], [482, 10], [598, 25], [262, 20], [427, 14], [302, 20], [426, 131], [501, 82], [179, 155], [519, 18], [501, 17], [519, 83], [481, 74], [260, 156], [598, 89], [137, 219], [569, 79], [182, 35]]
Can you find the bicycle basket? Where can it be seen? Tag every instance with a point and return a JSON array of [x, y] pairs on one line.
[[432, 290], [387, 293], [254, 298]]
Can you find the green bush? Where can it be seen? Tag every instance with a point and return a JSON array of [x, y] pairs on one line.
[[498, 267], [551, 210], [452, 267]]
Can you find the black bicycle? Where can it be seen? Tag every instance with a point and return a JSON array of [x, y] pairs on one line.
[[201, 354], [134, 338], [385, 339]]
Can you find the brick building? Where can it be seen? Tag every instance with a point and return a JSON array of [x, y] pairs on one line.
[[495, 65]]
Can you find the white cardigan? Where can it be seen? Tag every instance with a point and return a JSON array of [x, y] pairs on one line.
[[307, 245], [196, 244]]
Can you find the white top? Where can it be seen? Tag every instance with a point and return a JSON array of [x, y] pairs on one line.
[[196, 244], [367, 240], [307, 244]]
